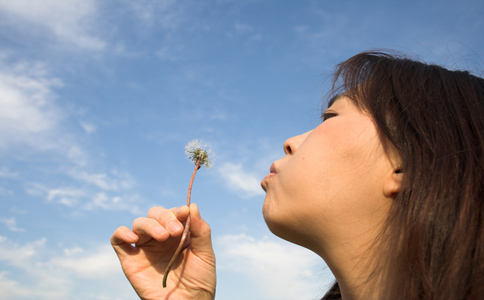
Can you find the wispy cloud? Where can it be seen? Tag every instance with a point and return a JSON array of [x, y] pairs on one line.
[[24, 259], [11, 224], [127, 202], [65, 196], [280, 270], [149, 12], [28, 113], [33, 122], [58, 274], [240, 180], [115, 181], [6, 173], [69, 22], [31, 117], [101, 263], [88, 127], [87, 198]]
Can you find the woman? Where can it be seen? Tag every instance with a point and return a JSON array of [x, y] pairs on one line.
[[388, 190]]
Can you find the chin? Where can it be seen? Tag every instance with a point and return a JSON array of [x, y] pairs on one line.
[[281, 226], [276, 223], [268, 215]]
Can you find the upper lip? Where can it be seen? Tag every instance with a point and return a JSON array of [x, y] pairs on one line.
[[273, 169]]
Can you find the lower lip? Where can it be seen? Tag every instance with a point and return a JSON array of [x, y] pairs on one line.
[[268, 176]]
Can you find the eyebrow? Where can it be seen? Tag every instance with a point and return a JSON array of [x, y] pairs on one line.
[[330, 103], [333, 99]]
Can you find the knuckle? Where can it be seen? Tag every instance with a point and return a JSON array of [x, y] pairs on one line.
[[165, 216], [154, 211], [139, 223]]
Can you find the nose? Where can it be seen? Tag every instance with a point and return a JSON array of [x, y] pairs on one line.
[[292, 144]]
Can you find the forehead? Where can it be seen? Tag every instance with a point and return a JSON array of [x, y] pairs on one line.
[[336, 99], [333, 99], [352, 98]]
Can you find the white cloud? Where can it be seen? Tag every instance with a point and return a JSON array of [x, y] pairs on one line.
[[36, 272], [19, 255], [239, 180], [70, 22], [155, 12], [280, 270], [101, 263], [31, 119], [13, 289], [65, 196], [4, 191], [108, 202], [88, 127], [77, 156], [6, 173], [110, 182], [11, 224], [28, 114], [87, 198]]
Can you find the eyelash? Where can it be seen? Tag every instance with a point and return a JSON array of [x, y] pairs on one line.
[[328, 115]]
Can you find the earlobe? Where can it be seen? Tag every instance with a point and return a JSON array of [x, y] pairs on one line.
[[393, 184]]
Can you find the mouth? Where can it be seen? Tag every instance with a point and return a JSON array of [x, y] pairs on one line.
[[273, 169], [272, 173]]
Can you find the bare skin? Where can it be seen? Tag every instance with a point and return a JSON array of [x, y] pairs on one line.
[[156, 238], [330, 193]]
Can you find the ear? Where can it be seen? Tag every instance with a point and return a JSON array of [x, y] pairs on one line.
[[393, 183]]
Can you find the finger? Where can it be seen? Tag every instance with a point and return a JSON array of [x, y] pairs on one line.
[[122, 239], [169, 219], [201, 236], [147, 229], [181, 212]]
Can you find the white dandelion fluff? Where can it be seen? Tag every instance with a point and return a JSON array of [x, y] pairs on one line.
[[196, 150], [200, 155]]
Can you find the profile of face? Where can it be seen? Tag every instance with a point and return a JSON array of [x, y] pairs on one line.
[[334, 185]]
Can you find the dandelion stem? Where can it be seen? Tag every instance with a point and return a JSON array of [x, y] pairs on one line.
[[187, 226]]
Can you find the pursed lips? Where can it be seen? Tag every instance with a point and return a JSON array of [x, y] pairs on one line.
[[273, 172], [273, 169]]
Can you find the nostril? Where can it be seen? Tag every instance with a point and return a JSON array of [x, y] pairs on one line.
[[292, 144], [287, 148]]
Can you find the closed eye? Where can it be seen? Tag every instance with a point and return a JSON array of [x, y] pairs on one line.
[[328, 115]]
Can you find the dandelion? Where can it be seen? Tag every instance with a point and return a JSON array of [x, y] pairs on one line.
[[195, 150], [200, 155]]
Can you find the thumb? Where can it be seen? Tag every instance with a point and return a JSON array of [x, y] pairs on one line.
[[200, 233]]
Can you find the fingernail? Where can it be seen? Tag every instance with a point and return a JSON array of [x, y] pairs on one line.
[[174, 226]]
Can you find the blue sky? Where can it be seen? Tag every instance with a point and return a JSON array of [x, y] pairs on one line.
[[99, 98]]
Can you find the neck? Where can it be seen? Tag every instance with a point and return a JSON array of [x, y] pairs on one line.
[[352, 263]]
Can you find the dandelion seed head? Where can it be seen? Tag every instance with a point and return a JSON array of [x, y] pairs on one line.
[[196, 150]]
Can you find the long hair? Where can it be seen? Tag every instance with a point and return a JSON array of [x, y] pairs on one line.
[[432, 244]]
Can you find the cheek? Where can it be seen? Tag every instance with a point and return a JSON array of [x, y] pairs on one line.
[[293, 196], [286, 195]]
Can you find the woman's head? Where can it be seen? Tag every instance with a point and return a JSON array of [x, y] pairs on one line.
[[433, 117], [334, 185], [433, 120]]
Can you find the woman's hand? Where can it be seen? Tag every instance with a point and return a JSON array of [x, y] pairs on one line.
[[156, 238]]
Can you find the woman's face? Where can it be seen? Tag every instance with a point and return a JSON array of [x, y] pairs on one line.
[[333, 182]]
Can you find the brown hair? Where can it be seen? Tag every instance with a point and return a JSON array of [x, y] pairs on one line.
[[432, 245]]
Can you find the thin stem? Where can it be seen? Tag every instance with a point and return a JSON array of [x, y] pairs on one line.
[[187, 226]]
